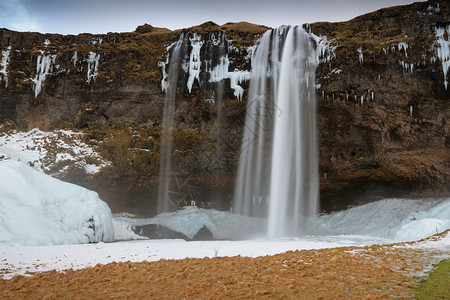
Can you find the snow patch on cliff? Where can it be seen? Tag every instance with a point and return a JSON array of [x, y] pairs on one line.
[[51, 152], [4, 65]]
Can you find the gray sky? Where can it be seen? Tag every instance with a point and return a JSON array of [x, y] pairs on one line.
[[102, 16]]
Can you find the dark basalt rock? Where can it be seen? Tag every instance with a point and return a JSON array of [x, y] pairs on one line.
[[204, 234], [153, 231]]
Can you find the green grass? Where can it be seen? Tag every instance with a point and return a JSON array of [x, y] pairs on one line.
[[437, 285]]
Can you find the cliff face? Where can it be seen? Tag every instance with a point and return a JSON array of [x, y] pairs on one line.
[[381, 90], [385, 102]]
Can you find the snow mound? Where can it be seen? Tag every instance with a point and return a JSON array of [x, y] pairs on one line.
[[385, 221], [223, 225], [396, 219], [36, 209]]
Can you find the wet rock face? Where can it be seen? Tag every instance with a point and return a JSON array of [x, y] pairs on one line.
[[383, 104]]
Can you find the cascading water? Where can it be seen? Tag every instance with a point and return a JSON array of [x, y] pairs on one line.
[[278, 168], [170, 87], [189, 60], [219, 47]]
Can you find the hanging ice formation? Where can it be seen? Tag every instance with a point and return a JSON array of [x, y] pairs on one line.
[[442, 50], [92, 61], [216, 71], [4, 65], [278, 168], [361, 55], [75, 58], [194, 60], [43, 69]]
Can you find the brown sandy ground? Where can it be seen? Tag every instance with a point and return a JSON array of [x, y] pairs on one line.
[[376, 272]]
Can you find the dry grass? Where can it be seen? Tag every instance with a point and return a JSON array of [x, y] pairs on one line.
[[376, 272]]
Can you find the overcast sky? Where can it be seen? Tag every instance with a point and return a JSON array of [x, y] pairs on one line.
[[102, 16]]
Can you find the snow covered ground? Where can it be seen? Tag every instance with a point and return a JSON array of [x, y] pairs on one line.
[[50, 152], [21, 260], [382, 222]]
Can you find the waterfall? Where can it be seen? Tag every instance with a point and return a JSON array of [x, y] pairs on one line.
[[188, 61], [220, 47], [165, 158], [278, 169]]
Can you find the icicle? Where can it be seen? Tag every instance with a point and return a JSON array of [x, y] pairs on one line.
[[325, 49], [411, 110], [43, 68], [74, 58], [194, 60], [92, 71], [163, 64], [236, 77], [4, 65], [403, 46], [442, 50], [361, 55]]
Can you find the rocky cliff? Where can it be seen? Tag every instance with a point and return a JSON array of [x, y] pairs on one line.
[[382, 91]]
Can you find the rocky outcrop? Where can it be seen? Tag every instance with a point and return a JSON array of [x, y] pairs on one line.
[[383, 104]]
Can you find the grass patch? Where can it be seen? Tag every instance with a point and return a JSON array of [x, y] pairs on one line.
[[437, 285]]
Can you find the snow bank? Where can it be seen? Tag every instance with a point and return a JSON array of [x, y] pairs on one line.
[[223, 225], [385, 221], [396, 219], [36, 209]]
